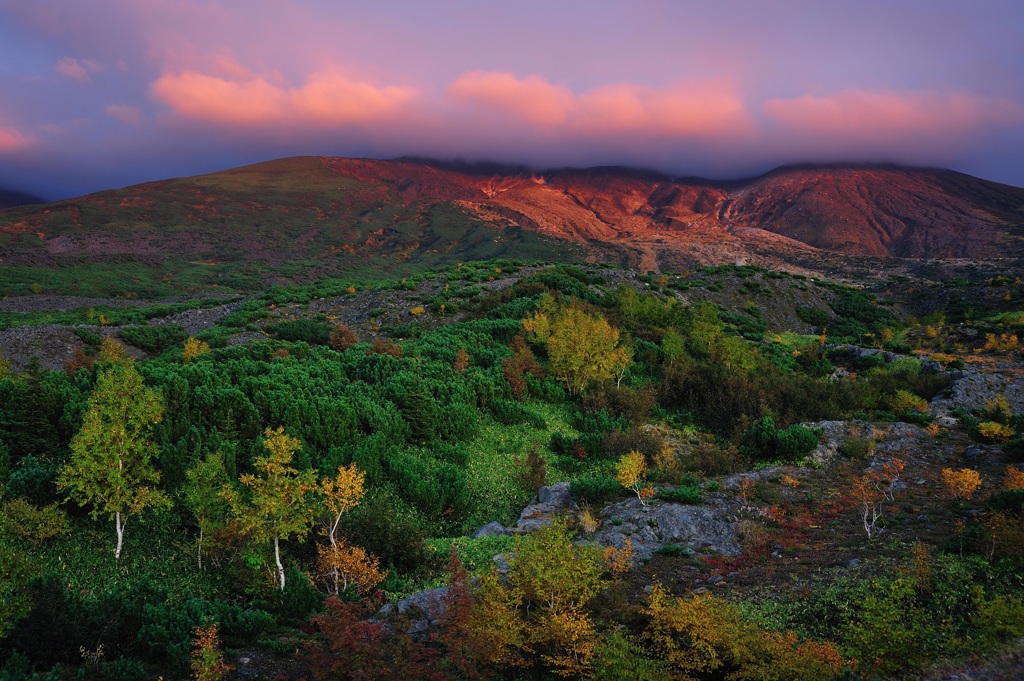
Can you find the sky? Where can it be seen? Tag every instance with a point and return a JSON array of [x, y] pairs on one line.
[[98, 94]]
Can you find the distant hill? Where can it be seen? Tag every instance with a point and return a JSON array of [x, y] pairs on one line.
[[300, 218], [9, 199]]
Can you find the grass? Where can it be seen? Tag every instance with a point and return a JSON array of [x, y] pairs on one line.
[[490, 475]]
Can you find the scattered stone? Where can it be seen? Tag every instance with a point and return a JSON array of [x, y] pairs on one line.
[[491, 529]]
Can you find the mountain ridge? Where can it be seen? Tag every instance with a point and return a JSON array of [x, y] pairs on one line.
[[304, 217]]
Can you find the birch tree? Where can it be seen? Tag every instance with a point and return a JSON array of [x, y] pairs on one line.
[[111, 468], [277, 504]]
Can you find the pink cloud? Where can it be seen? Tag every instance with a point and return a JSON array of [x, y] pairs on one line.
[[126, 113], [12, 140], [325, 99], [76, 69], [891, 115], [690, 109], [532, 98]]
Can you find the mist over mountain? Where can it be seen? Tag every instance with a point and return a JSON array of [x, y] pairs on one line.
[[10, 198]]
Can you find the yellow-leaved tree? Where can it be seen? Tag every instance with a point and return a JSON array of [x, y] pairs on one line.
[[278, 500], [631, 472], [111, 468], [338, 562], [582, 347], [540, 615]]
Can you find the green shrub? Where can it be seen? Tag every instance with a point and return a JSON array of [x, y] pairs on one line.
[[168, 628], [305, 330], [682, 495], [595, 489], [88, 337], [763, 441], [674, 551], [513, 413], [153, 339]]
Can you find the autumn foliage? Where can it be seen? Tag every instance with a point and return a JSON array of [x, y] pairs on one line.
[[582, 347], [207, 657], [631, 472], [961, 484], [705, 637], [539, 619]]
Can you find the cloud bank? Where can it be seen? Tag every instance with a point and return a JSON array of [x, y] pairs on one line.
[[125, 91]]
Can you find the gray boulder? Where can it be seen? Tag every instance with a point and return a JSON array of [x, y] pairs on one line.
[[701, 529], [550, 502], [425, 609], [973, 390], [491, 529]]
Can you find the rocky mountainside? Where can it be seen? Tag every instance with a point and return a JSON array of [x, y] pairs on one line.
[[301, 218]]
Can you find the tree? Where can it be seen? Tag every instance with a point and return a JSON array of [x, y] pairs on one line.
[[111, 466], [341, 562], [582, 347], [631, 472], [207, 657], [278, 504], [540, 615], [961, 484], [203, 486], [23, 527], [194, 348]]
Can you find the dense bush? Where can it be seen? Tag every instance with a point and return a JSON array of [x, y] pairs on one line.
[[764, 442], [155, 339], [595, 489], [306, 330]]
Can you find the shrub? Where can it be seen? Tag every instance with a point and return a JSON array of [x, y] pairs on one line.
[[961, 484], [682, 495], [595, 489], [763, 441], [648, 443], [342, 337], [153, 339], [512, 413], [906, 401], [305, 330], [991, 431]]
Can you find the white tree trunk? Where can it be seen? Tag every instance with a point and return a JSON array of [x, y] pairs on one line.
[[277, 557], [119, 526], [199, 550]]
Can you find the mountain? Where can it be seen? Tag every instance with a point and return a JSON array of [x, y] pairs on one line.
[[300, 218], [9, 199]]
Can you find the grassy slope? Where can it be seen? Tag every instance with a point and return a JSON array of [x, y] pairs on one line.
[[282, 221]]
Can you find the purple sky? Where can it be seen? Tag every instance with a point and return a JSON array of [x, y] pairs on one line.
[[96, 94]]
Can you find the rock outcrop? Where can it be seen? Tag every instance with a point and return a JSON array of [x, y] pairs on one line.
[[699, 528]]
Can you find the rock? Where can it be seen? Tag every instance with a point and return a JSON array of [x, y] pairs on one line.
[[501, 562], [557, 494], [491, 529], [853, 562], [716, 579], [550, 502], [972, 390], [425, 609], [700, 529]]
